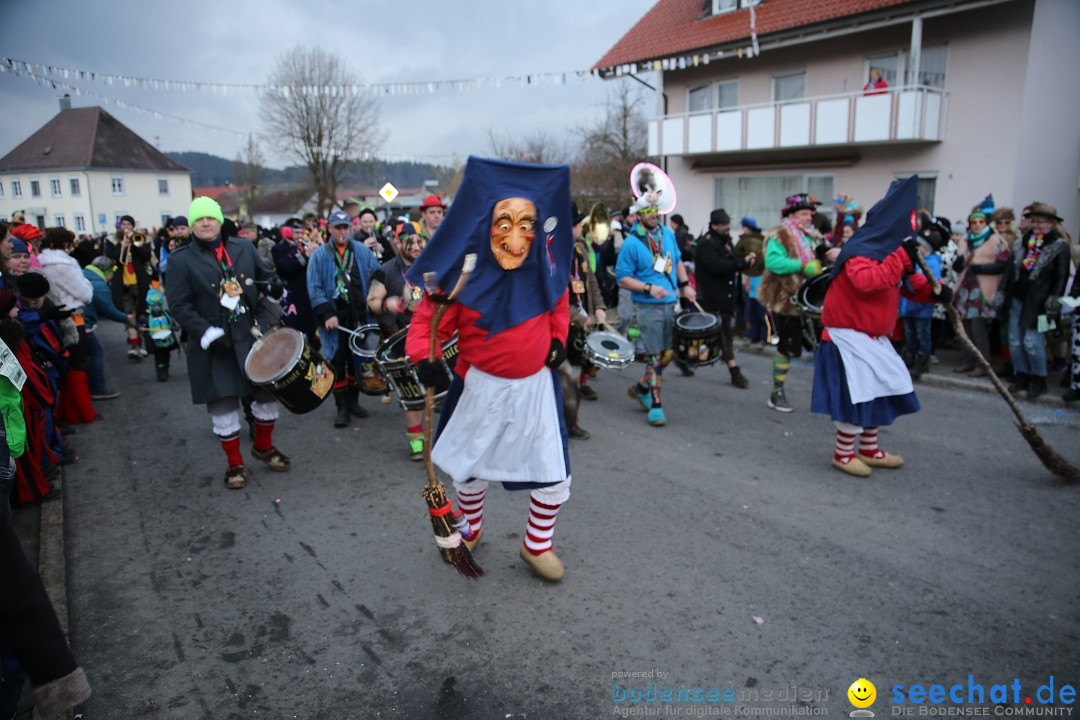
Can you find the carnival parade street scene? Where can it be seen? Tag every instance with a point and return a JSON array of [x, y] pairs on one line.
[[539, 361]]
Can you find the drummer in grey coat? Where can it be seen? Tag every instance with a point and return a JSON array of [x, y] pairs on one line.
[[209, 296]]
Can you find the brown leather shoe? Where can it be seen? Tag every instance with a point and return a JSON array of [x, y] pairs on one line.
[[887, 460], [235, 477], [274, 459], [547, 564], [854, 466], [373, 384]]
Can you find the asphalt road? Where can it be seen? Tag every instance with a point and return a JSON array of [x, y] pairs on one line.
[[319, 593]]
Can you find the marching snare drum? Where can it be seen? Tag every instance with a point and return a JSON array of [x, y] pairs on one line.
[[697, 338], [811, 294], [401, 374], [608, 350], [283, 363]]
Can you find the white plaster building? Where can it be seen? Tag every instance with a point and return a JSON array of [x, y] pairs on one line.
[[982, 98], [83, 170]]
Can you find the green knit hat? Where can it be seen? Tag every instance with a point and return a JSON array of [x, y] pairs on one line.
[[202, 207]]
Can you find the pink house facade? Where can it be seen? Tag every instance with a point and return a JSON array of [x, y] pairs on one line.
[[981, 98]]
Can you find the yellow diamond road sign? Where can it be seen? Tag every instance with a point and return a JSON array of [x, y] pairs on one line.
[[388, 192]]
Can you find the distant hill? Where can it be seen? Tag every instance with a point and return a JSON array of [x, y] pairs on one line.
[[214, 171]]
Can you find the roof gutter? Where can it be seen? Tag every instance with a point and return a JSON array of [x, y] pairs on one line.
[[897, 15]]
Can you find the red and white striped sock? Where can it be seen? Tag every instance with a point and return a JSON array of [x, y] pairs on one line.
[[845, 446], [472, 505], [541, 526], [868, 443]]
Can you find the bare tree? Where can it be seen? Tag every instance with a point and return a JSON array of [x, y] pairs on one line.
[[536, 147], [611, 147], [248, 174], [313, 113]]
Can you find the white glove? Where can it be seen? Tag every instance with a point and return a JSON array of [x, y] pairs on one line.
[[211, 334]]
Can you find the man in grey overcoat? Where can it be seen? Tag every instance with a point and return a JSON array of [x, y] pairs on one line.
[[209, 296]]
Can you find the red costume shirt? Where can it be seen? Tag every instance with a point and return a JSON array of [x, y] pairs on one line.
[[865, 295], [518, 352]]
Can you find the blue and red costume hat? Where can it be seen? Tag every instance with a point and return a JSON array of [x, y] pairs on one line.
[[504, 298]]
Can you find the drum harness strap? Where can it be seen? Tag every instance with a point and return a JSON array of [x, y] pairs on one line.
[[228, 275], [655, 250]]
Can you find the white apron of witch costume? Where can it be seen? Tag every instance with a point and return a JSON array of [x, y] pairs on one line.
[[859, 379], [501, 419]]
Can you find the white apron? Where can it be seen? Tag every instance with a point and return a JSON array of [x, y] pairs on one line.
[[871, 365], [504, 430]]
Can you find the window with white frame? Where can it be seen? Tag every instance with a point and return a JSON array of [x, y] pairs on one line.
[[895, 67], [54, 187], [699, 99], [73, 185], [926, 190], [932, 66], [165, 217], [35, 188], [720, 7], [58, 220], [789, 85], [727, 94], [1, 191], [163, 186], [762, 196], [117, 185], [16, 189], [80, 222], [888, 67]]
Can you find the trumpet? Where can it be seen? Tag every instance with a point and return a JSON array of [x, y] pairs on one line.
[[138, 240]]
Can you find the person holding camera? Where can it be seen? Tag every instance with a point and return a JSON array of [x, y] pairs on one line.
[[210, 299]]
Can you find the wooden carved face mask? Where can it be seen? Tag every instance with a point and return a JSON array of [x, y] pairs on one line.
[[513, 227]]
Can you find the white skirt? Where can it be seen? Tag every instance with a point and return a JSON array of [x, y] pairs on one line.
[[504, 430]]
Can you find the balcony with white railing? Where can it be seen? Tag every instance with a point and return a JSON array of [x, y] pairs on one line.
[[894, 115]]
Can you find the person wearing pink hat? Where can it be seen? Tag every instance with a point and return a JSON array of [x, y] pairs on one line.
[[431, 214]]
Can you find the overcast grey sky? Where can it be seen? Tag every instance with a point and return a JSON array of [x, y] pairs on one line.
[[237, 41]]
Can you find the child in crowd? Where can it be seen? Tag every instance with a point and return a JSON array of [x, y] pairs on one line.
[[160, 332], [918, 318]]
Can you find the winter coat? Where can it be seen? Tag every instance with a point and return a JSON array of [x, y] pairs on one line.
[[69, 288], [1046, 280], [290, 264], [140, 258], [195, 302], [984, 265], [920, 310], [717, 273], [783, 274], [102, 299], [321, 283]]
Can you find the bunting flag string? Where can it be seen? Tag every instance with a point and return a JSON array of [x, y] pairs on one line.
[[75, 90], [422, 87]]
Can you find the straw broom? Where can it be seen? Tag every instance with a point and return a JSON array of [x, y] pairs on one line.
[[1050, 459], [440, 509]]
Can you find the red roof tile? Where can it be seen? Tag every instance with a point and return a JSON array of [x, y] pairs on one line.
[[673, 26]]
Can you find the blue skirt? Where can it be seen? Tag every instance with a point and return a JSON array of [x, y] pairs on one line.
[[831, 395]]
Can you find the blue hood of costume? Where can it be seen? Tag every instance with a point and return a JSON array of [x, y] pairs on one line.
[[504, 298], [892, 219]]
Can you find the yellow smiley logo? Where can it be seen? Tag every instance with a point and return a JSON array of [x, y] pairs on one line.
[[862, 693]]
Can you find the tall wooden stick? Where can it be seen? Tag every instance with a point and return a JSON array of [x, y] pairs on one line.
[[447, 537], [1050, 459]]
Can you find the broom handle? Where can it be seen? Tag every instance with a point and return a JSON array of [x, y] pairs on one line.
[[958, 327], [434, 354]]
